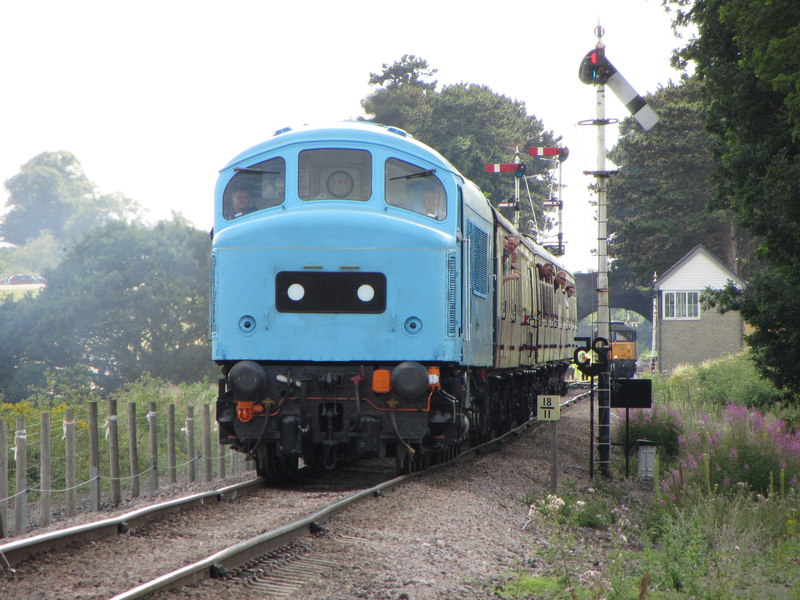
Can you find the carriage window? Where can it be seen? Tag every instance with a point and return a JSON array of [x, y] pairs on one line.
[[415, 188], [335, 174], [255, 188]]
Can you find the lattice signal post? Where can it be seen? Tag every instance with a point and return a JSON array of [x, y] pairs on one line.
[[595, 69]]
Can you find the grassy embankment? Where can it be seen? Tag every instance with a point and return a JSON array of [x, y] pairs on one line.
[[723, 520]]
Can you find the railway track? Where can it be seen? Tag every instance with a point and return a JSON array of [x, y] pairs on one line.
[[248, 560]]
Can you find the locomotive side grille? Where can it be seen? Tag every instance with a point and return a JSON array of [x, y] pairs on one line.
[[213, 295], [479, 243], [451, 294]]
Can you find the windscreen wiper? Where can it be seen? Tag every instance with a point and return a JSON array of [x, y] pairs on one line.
[[427, 173], [255, 171]]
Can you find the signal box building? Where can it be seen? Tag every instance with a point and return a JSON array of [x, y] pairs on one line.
[[685, 333]]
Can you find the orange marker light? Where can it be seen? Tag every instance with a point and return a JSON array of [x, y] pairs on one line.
[[433, 378], [381, 381]]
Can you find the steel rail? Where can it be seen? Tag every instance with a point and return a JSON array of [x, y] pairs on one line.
[[18, 550]]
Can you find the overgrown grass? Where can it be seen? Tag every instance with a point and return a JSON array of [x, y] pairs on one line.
[[725, 522]]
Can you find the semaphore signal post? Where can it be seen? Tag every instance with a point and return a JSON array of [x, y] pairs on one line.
[[595, 69]]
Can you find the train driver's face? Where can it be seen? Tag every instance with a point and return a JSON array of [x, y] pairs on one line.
[[241, 200]]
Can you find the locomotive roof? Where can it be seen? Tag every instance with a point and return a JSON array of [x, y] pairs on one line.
[[348, 132]]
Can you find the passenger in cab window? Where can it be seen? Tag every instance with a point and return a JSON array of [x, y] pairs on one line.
[[570, 291], [273, 190], [240, 204], [433, 204], [561, 280]]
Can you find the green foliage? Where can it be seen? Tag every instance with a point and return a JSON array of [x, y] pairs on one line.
[[408, 71], [658, 200], [523, 585], [715, 546], [573, 511], [38, 255], [731, 379], [746, 53], [750, 451], [659, 424], [126, 301], [52, 194]]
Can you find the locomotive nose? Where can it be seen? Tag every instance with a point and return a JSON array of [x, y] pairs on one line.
[[409, 380]]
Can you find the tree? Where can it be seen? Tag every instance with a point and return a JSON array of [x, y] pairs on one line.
[[658, 202], [747, 54], [52, 193], [126, 300], [469, 124], [408, 71]]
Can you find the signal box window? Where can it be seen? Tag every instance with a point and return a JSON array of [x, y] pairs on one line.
[[335, 174], [415, 188], [255, 188], [681, 305]]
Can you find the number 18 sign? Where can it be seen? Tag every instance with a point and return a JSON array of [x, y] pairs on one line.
[[549, 408]]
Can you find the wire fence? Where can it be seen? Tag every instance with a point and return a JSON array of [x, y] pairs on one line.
[[84, 465]]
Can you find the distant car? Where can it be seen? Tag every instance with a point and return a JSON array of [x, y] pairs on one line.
[[25, 279]]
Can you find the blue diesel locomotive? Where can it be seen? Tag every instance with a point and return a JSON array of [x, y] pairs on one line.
[[368, 300]]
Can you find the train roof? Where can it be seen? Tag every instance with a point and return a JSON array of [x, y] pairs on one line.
[[348, 132]]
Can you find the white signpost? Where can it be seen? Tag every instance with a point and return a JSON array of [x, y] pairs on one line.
[[549, 409]]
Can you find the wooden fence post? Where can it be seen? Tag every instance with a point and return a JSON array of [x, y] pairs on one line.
[[236, 466], [134, 449], [69, 475], [3, 479], [171, 470], [151, 419], [45, 478], [221, 461], [113, 452], [94, 457], [190, 435], [207, 443], [21, 496]]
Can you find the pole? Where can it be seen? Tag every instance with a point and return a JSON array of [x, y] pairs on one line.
[[603, 306], [554, 456], [516, 192], [653, 338], [561, 187]]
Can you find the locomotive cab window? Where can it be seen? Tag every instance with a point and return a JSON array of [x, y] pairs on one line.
[[255, 188], [335, 174], [415, 188]]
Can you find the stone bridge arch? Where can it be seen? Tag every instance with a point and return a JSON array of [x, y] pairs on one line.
[[621, 297]]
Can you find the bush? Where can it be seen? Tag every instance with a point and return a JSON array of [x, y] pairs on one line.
[[659, 424], [748, 448]]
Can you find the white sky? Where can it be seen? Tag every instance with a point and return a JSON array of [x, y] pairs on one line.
[[154, 97]]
